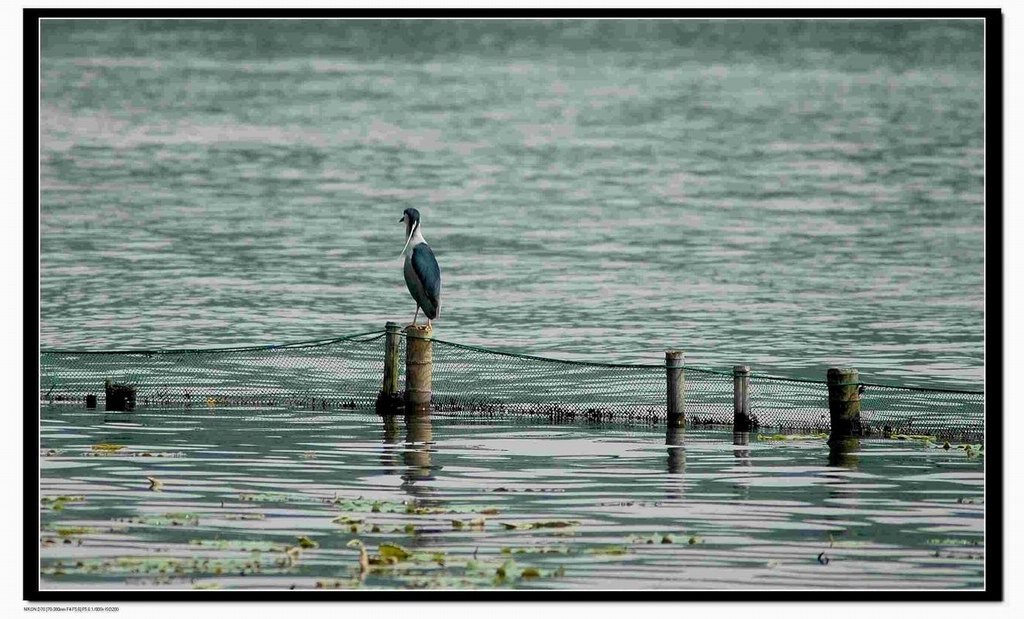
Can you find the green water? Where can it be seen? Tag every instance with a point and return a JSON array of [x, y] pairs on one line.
[[785, 195], [238, 488]]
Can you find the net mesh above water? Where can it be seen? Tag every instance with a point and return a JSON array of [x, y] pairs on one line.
[[346, 373]]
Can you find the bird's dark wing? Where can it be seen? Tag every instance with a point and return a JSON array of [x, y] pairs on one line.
[[425, 265]]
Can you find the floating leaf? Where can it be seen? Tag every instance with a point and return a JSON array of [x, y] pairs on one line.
[[546, 524], [305, 542], [607, 550], [388, 550], [107, 447]]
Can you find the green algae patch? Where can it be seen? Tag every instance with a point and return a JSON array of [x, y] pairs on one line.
[[923, 438], [107, 448], [240, 545], [177, 519], [792, 437], [57, 503], [74, 531], [540, 550], [607, 550], [165, 566]]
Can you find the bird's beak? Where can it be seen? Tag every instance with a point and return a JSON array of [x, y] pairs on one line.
[[412, 231]]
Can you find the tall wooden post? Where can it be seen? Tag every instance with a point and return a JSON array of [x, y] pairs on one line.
[[419, 364], [843, 403], [389, 400], [676, 389], [741, 399]]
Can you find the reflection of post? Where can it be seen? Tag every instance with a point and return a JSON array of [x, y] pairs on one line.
[[419, 437], [742, 456], [676, 452], [843, 452], [676, 463], [676, 389], [389, 456]]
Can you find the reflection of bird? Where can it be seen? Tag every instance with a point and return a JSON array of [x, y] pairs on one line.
[[422, 274]]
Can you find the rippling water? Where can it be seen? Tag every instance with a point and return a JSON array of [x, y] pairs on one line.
[[784, 194], [596, 506], [789, 195]]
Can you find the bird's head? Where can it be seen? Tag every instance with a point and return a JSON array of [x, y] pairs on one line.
[[411, 219]]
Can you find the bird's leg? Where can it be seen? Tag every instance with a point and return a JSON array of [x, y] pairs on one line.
[[415, 316]]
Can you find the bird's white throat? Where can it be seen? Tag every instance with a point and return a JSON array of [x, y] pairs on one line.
[[414, 239]]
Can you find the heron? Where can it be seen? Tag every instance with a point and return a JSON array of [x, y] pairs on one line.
[[422, 273]]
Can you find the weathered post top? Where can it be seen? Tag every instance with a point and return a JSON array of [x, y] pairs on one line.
[[676, 388]]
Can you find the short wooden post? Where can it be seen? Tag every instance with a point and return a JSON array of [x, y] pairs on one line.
[[676, 390], [741, 398], [843, 403], [419, 364], [90, 401], [119, 397], [389, 400]]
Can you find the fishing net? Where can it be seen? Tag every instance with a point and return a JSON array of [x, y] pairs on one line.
[[346, 373]]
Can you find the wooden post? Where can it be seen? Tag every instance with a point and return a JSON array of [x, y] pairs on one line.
[[676, 390], [389, 400], [119, 397], [741, 399], [843, 403], [419, 363]]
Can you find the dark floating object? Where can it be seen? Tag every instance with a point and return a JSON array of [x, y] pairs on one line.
[[823, 559], [90, 401], [119, 397]]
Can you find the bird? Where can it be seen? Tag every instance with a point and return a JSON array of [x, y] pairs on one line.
[[422, 273]]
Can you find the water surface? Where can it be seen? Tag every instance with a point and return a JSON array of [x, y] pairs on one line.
[[274, 498], [785, 194]]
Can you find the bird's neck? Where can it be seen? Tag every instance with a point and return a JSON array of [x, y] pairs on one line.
[[416, 239]]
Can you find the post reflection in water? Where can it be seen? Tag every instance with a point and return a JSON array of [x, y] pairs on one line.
[[418, 456], [676, 463], [742, 456], [842, 454], [389, 454], [676, 452]]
